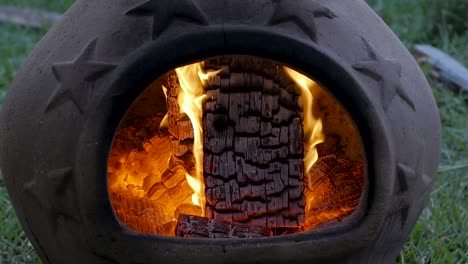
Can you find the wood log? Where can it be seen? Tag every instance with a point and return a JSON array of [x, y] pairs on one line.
[[331, 146], [160, 158], [28, 17], [336, 185], [446, 68], [201, 227], [140, 213], [180, 126], [252, 134]]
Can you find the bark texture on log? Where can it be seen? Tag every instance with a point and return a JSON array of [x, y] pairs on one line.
[[253, 145], [201, 227], [180, 126], [336, 185]]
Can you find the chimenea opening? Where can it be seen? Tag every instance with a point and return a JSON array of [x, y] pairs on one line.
[[246, 147]]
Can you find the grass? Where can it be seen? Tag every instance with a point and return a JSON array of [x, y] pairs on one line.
[[15, 44], [441, 234], [14, 246], [59, 6], [442, 24]]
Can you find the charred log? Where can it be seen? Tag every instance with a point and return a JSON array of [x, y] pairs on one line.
[[201, 227], [336, 184], [253, 145], [180, 126]]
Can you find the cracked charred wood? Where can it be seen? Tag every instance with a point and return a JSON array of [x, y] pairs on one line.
[[173, 185], [140, 213], [253, 145], [202, 227], [336, 184], [180, 126]]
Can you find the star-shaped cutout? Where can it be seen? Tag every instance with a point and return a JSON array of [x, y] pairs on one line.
[[55, 193], [76, 79], [164, 12], [302, 13], [385, 71], [411, 184]]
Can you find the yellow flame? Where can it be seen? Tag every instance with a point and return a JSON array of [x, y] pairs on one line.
[[164, 122], [196, 186], [190, 100], [205, 76], [313, 127]]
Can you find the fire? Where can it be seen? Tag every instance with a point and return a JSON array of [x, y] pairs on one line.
[[155, 170], [318, 191], [190, 100], [313, 134], [138, 177]]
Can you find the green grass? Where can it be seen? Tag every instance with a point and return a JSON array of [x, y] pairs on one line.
[[440, 236], [15, 44], [441, 23], [14, 246], [59, 6]]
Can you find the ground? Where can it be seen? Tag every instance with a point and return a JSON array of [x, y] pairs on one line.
[[440, 236]]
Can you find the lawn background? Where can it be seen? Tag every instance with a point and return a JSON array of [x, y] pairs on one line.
[[440, 236]]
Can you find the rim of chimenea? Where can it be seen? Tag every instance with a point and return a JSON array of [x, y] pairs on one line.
[[151, 61]]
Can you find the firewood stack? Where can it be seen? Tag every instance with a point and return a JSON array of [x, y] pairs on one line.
[[132, 167], [147, 180], [132, 155]]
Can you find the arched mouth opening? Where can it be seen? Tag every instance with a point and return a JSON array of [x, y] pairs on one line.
[[235, 147]]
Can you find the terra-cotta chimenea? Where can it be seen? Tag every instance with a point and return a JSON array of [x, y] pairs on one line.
[[208, 131]]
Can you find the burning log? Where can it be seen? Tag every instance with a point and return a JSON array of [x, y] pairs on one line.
[[180, 126], [336, 185], [201, 227], [253, 147], [147, 182]]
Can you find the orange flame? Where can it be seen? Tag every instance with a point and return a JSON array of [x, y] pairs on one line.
[[190, 101], [313, 127]]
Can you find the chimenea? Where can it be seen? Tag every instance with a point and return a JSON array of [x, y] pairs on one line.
[[189, 131]]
